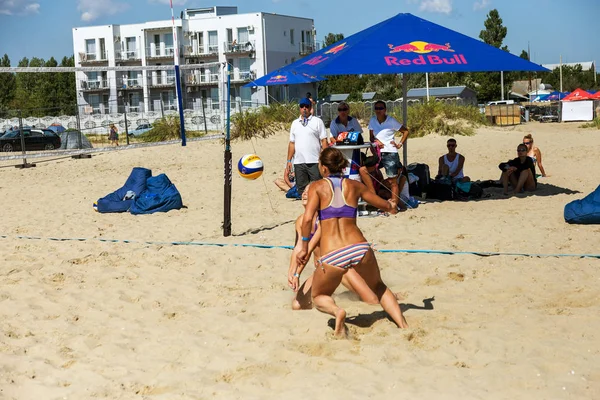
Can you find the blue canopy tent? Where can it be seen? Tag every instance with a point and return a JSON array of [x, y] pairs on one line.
[[408, 44], [554, 96], [279, 77]]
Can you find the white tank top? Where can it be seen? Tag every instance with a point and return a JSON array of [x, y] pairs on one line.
[[452, 166]]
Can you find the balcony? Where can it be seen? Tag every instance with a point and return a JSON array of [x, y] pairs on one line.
[[94, 85], [200, 51], [239, 48], [129, 55], [307, 48], [157, 52], [93, 58], [200, 79], [129, 83], [243, 76], [158, 81]]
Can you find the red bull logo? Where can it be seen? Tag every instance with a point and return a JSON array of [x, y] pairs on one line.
[[319, 59], [277, 78], [420, 47]]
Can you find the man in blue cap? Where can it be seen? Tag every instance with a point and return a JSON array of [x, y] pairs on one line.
[[307, 138]]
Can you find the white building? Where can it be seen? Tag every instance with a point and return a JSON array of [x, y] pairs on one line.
[[254, 43]]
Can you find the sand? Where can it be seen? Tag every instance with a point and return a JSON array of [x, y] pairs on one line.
[[90, 319]]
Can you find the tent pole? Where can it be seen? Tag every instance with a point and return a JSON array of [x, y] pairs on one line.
[[404, 117], [427, 84], [227, 189]]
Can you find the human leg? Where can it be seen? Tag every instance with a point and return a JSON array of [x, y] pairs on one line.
[[353, 282], [365, 177], [302, 177], [325, 281], [280, 183], [526, 181], [313, 172], [369, 271]]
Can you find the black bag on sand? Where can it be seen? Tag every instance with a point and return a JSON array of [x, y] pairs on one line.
[[440, 191], [422, 172], [475, 192]]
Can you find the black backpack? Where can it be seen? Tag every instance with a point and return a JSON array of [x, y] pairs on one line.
[[440, 190], [475, 192], [422, 172]]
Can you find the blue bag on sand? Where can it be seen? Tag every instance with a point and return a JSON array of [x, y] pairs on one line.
[[292, 193], [115, 201], [584, 211], [160, 196]]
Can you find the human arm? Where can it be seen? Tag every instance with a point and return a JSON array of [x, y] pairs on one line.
[[538, 156], [311, 209], [404, 132], [376, 201], [323, 137], [290, 155], [440, 165], [293, 259]]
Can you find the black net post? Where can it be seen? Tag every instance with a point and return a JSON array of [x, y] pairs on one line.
[[23, 152]]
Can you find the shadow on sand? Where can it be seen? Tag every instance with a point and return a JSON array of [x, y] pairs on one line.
[[367, 320]]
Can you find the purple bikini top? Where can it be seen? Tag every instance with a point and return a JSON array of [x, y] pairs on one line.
[[338, 207]]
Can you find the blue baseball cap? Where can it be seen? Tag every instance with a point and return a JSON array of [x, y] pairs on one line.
[[305, 102]]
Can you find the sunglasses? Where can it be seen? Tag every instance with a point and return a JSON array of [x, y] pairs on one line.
[[304, 106], [521, 150], [450, 145], [527, 143], [379, 108], [342, 109]]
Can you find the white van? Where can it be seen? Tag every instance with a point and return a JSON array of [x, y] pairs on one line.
[[497, 102]]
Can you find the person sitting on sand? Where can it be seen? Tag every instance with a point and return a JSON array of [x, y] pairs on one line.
[[303, 297], [288, 184], [534, 153], [451, 165], [342, 244], [519, 172]]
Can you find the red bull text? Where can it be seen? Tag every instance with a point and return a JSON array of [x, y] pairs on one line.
[[421, 48]]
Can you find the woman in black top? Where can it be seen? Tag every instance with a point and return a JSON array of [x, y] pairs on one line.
[[520, 172]]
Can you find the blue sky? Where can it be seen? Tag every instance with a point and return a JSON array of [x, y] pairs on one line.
[[42, 28]]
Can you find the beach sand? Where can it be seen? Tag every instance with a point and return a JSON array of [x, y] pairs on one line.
[[90, 319]]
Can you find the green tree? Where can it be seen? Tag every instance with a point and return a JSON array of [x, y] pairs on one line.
[[66, 95], [331, 38], [8, 84], [489, 82]]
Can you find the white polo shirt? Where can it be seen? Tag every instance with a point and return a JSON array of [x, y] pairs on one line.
[[336, 126], [385, 132], [307, 135]]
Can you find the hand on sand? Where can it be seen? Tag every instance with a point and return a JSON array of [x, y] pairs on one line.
[[295, 283], [394, 206]]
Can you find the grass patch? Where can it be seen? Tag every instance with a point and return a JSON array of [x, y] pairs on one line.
[[446, 119], [593, 124], [262, 122]]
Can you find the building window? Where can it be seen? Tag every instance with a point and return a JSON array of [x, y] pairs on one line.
[[246, 96], [214, 98], [243, 36], [244, 65], [291, 36], [130, 48], [90, 49], [213, 42]]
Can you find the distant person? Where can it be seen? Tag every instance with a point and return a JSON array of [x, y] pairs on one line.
[[312, 102], [345, 123], [382, 130], [451, 165], [534, 153], [113, 136], [288, 184], [307, 137], [519, 172]]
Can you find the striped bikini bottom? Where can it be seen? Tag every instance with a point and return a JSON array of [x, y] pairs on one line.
[[346, 257]]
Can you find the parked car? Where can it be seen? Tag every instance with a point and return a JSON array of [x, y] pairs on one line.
[[143, 128], [35, 139]]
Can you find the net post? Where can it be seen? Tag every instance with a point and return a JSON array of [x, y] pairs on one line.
[[228, 167]]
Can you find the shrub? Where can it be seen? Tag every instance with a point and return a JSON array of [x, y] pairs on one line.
[[446, 119], [250, 123], [593, 124]]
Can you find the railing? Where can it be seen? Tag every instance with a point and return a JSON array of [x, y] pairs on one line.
[[307, 48], [200, 78], [240, 48], [190, 51], [160, 80], [92, 57], [129, 83], [158, 52], [244, 76], [213, 49], [94, 84], [127, 55]]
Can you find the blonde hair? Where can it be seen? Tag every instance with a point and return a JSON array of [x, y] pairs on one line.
[[528, 136]]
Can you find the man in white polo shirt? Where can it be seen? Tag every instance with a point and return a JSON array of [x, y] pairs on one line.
[[307, 138], [382, 130]]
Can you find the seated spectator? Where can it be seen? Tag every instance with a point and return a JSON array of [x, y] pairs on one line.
[[372, 177], [288, 185], [534, 153], [345, 123], [451, 165], [519, 172]]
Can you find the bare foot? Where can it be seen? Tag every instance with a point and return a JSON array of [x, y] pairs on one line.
[[340, 326]]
